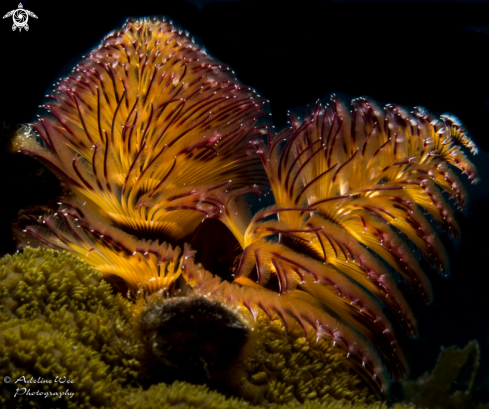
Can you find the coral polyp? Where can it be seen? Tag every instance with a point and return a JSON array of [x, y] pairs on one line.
[[153, 137]]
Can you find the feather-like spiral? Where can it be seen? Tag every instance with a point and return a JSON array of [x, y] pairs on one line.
[[348, 188], [148, 127]]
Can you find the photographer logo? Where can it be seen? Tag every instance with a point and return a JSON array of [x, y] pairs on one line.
[[20, 17]]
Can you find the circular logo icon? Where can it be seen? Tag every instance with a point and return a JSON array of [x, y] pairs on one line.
[[20, 17]]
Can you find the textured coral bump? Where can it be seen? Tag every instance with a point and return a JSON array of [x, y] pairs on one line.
[[152, 136]]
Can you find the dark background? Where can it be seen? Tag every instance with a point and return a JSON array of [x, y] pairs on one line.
[[433, 54]]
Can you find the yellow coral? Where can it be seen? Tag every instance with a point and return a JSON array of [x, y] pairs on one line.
[[277, 368], [59, 318], [186, 396], [35, 349], [71, 297]]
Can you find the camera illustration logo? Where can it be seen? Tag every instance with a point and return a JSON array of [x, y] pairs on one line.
[[20, 17]]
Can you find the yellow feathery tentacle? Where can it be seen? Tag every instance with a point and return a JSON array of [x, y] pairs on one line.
[[136, 118], [142, 264], [298, 308], [347, 186]]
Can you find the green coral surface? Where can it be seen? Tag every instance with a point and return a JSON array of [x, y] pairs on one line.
[[67, 341], [276, 368], [60, 319]]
